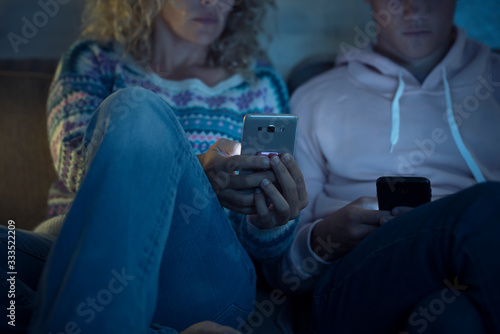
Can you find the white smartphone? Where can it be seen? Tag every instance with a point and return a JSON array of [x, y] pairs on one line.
[[269, 134]]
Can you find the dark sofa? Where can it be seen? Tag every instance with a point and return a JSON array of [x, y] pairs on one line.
[[26, 169]]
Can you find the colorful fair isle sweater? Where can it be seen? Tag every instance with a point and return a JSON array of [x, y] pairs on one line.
[[91, 71]]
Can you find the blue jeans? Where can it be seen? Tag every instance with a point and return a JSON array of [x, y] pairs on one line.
[[146, 243], [435, 269]]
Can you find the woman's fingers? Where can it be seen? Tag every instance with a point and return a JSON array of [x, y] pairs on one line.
[[291, 181], [228, 177], [222, 181], [246, 162], [264, 217], [287, 203], [285, 180], [241, 198], [237, 208], [298, 178], [252, 180], [280, 206], [296, 174]]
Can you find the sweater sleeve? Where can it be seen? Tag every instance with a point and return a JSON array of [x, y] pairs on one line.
[[77, 90], [266, 244]]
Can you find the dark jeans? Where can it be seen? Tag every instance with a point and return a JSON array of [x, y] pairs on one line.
[[435, 269]]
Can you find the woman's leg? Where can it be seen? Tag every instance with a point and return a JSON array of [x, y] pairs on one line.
[[450, 246], [103, 272], [18, 284]]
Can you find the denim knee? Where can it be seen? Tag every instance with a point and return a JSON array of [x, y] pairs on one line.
[[445, 311], [487, 190], [132, 120], [483, 197]]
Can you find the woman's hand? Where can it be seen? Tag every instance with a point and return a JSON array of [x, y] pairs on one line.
[[209, 327], [277, 204], [221, 162]]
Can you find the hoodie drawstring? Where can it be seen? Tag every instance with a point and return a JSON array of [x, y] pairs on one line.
[[471, 163], [396, 112], [456, 134]]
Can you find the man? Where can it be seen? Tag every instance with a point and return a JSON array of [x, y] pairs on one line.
[[423, 101]]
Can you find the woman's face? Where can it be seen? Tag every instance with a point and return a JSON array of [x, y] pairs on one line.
[[197, 21]]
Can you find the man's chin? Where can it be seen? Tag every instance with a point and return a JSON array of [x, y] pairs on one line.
[[416, 54]]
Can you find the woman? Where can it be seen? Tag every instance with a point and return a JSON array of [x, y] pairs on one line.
[[141, 121]]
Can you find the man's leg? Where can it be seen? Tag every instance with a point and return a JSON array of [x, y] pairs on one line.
[[450, 245], [459, 315]]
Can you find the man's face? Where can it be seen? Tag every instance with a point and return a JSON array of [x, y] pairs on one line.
[[417, 29]]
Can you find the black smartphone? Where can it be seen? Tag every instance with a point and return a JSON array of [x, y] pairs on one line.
[[393, 191]]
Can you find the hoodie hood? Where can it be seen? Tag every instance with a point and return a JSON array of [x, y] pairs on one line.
[[463, 61], [461, 65]]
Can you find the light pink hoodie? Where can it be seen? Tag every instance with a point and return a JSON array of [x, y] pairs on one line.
[[370, 117]]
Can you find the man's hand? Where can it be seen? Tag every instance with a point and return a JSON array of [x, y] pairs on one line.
[[221, 162], [209, 327], [347, 227], [275, 207]]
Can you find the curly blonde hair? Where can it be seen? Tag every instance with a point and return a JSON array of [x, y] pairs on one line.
[[130, 23]]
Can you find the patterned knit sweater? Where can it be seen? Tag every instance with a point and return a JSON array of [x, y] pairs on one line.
[[91, 71]]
